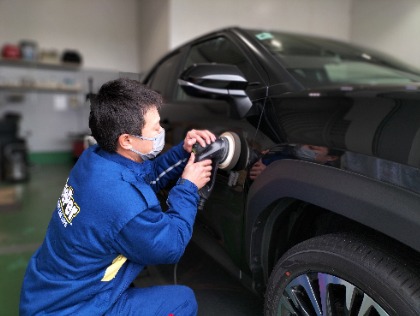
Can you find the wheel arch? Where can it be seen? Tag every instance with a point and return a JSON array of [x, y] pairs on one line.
[[383, 207]]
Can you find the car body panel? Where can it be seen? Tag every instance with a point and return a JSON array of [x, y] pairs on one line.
[[376, 204], [384, 124], [374, 124]]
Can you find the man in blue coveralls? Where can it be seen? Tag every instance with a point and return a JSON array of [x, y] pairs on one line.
[[108, 224]]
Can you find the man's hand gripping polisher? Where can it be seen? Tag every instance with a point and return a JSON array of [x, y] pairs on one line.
[[225, 153]]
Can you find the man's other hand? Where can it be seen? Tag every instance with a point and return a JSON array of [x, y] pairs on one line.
[[198, 173], [203, 137]]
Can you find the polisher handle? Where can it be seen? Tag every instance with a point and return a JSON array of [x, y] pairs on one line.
[[214, 151], [224, 154], [205, 191]]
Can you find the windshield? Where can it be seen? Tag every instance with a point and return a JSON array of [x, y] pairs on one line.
[[317, 62]]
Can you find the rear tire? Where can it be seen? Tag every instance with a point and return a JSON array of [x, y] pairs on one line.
[[343, 274]]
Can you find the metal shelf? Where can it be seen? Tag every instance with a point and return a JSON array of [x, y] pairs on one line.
[[33, 85], [38, 65], [16, 89]]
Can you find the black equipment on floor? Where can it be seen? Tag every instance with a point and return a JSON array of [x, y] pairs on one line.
[[13, 150]]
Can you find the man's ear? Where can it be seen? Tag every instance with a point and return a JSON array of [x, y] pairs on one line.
[[124, 141]]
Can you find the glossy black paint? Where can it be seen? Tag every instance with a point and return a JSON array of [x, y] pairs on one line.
[[380, 123], [375, 184]]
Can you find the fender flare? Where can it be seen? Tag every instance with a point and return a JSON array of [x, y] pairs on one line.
[[384, 207]]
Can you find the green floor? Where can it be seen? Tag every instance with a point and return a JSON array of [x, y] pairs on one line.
[[23, 225]]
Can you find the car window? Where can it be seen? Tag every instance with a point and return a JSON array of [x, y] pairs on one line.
[[217, 50], [317, 62], [164, 78]]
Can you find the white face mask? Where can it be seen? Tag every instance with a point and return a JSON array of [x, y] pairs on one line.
[[158, 144], [305, 153]]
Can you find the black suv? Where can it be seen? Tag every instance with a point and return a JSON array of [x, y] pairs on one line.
[[336, 236]]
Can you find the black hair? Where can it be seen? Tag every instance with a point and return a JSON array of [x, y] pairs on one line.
[[119, 108]]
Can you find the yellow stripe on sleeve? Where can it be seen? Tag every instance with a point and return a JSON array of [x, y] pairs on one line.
[[113, 269]]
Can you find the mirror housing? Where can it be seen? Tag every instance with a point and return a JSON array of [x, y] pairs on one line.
[[217, 81]]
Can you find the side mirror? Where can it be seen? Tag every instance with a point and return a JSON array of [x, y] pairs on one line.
[[217, 81]]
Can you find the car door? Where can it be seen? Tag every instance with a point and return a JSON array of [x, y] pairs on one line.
[[223, 215]]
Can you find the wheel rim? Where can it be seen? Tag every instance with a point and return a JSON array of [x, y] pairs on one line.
[[325, 294]]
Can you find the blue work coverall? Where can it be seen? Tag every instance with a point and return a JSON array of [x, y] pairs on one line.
[[107, 226]]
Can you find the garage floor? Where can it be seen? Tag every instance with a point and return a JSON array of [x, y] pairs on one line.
[[216, 291], [25, 210]]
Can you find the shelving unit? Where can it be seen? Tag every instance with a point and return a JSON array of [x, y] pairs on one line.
[[35, 88], [38, 65], [33, 81], [48, 97]]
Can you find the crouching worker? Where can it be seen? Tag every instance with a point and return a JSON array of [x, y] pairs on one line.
[[108, 224]]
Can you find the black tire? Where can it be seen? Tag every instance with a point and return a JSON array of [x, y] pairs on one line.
[[336, 265]]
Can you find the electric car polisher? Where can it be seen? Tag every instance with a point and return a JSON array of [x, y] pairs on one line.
[[227, 152]]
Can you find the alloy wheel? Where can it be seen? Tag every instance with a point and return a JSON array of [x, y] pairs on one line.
[[324, 294]]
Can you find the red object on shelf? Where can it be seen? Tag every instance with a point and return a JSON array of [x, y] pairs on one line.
[[10, 51]]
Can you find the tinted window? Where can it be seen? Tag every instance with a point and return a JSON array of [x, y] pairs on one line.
[[319, 62], [164, 78], [218, 50]]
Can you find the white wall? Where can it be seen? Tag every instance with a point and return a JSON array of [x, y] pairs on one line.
[[154, 24], [389, 26], [323, 17], [106, 32], [130, 35], [190, 18]]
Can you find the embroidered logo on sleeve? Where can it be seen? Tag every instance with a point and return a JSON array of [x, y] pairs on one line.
[[67, 207]]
